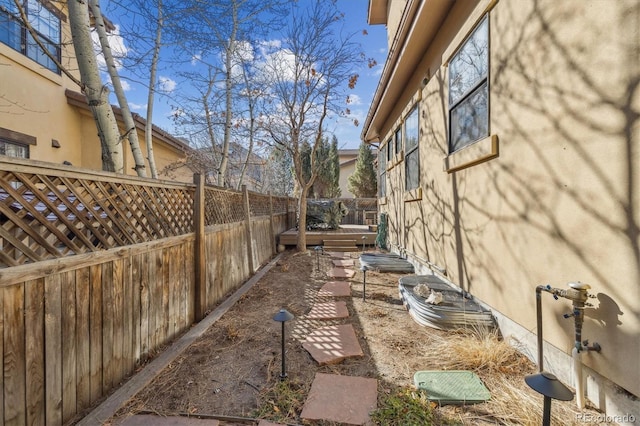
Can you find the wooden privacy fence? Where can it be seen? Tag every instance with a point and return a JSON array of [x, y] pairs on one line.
[[98, 271]]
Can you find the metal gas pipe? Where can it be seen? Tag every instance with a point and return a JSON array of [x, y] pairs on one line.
[[578, 294]]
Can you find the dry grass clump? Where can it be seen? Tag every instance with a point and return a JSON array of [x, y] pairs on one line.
[[282, 401], [480, 350]]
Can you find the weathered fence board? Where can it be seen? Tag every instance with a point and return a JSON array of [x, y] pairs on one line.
[[14, 356], [83, 339], [53, 349], [95, 326], [68, 305], [108, 363], [34, 356]]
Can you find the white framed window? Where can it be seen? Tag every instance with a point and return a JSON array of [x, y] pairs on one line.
[[469, 90], [411, 155], [12, 149], [44, 20], [397, 137], [382, 173]]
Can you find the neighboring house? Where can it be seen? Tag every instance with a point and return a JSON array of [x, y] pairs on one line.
[[347, 159], [510, 158], [42, 114]]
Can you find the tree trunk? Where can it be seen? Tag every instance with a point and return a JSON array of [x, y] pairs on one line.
[[97, 94], [301, 244], [148, 130], [129, 124], [230, 52]]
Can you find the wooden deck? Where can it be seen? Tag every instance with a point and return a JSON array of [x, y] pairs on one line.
[[350, 234]]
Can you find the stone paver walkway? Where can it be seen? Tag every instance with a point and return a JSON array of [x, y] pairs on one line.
[[332, 344], [335, 289], [343, 262], [338, 255], [344, 399], [341, 273], [328, 310]]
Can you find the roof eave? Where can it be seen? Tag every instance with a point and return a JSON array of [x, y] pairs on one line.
[[377, 13], [419, 25]]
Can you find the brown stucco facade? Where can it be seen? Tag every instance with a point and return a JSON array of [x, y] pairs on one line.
[[550, 194], [46, 112]]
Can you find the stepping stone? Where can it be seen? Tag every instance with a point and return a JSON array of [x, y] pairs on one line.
[[332, 344], [268, 423], [342, 399], [328, 310], [341, 273], [337, 255], [149, 419], [335, 289], [342, 262]]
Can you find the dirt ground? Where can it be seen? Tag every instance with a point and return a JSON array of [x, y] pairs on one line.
[[232, 371]]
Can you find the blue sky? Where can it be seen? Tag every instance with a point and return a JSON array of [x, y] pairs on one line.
[[374, 44]]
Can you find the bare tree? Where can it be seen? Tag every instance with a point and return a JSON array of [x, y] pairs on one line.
[[97, 93], [155, 58], [149, 31], [219, 34], [130, 126], [311, 71]]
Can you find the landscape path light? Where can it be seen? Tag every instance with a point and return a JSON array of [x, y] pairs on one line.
[[318, 249], [283, 316], [364, 269], [551, 388]]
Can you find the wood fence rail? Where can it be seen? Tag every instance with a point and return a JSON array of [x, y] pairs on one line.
[[98, 271]]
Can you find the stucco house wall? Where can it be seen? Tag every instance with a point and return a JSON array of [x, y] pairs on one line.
[[551, 194]]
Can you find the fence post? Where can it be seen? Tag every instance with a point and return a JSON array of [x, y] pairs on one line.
[[200, 290], [247, 218], [273, 234]]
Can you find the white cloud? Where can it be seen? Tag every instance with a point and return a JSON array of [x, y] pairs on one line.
[[195, 59], [125, 85], [137, 107], [165, 84], [118, 48], [354, 99], [377, 70]]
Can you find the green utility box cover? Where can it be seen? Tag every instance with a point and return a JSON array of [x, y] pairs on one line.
[[452, 387]]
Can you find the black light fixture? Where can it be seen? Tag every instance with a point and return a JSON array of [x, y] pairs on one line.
[[364, 270], [283, 316], [318, 249], [363, 241], [551, 388]]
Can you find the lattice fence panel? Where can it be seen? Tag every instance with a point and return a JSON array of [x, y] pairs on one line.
[[259, 204], [280, 205], [47, 216], [223, 206]]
